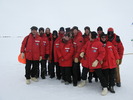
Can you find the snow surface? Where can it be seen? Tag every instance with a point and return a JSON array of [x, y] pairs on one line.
[[16, 18]]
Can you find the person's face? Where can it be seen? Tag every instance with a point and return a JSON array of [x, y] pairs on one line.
[[75, 32], [33, 32], [66, 38], [110, 34], [87, 32], [103, 38], [99, 32], [41, 32], [62, 32], [54, 36], [47, 31]]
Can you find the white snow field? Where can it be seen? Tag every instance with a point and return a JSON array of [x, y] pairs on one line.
[[16, 18]]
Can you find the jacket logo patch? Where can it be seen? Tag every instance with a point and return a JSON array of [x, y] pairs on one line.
[[37, 41], [67, 50], [94, 48]]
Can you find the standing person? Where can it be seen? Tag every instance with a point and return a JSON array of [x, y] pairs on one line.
[[99, 31], [56, 58], [116, 41], [65, 53], [45, 50], [31, 50], [49, 36], [51, 59], [78, 43], [110, 62], [92, 54]]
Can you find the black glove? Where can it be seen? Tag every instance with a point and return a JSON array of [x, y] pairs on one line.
[[46, 56]]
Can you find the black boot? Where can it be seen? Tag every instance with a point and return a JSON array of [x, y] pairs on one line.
[[118, 84], [111, 89]]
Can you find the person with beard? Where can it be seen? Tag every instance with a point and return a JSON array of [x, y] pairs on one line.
[[116, 41], [31, 50], [49, 36], [110, 62], [78, 43], [65, 53], [45, 50], [93, 53], [51, 58]]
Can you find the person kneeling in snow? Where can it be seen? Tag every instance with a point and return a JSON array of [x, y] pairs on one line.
[[93, 53], [110, 62]]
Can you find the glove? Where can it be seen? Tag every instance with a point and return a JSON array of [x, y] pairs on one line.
[[76, 60], [46, 56], [120, 61], [22, 55], [117, 61], [40, 58], [95, 63], [82, 54]]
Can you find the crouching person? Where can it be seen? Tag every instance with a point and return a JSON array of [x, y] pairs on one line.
[[65, 53], [110, 62], [31, 50], [92, 54]]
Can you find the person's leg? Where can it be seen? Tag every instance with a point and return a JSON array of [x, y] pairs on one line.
[[106, 75], [43, 68], [117, 77], [68, 74], [51, 69], [75, 75], [111, 80], [79, 72], [28, 69], [95, 76], [90, 77], [34, 68], [63, 74], [58, 71]]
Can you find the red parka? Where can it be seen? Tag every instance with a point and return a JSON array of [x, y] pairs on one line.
[[45, 46], [111, 55], [93, 50], [78, 43], [32, 47], [65, 53]]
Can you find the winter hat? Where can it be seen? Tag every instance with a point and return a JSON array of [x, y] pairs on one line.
[[99, 28], [103, 34], [62, 29], [93, 35], [75, 27], [68, 29], [87, 28], [34, 28], [110, 29], [55, 33], [41, 29]]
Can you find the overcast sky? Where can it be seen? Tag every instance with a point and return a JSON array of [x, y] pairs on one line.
[[17, 16]]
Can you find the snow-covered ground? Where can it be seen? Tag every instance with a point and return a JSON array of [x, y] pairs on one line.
[[16, 18]]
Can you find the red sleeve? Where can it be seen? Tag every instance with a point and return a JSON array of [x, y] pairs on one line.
[[24, 44], [41, 47], [120, 50], [101, 51], [115, 53], [79, 47], [84, 47], [70, 54]]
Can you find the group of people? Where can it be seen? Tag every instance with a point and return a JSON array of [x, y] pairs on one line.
[[60, 54]]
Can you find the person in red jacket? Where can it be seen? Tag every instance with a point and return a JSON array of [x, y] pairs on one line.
[[45, 51], [65, 53], [93, 53], [109, 62], [48, 34], [31, 50], [78, 43], [86, 34], [54, 64], [99, 31], [116, 41]]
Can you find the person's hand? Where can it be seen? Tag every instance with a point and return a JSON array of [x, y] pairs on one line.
[[82, 54], [40, 58], [22, 55], [120, 61], [76, 60], [117, 61], [95, 63]]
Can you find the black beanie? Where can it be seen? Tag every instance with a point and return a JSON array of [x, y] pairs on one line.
[[93, 35], [55, 33], [75, 27], [34, 28], [68, 29], [99, 28], [87, 28], [41, 29]]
